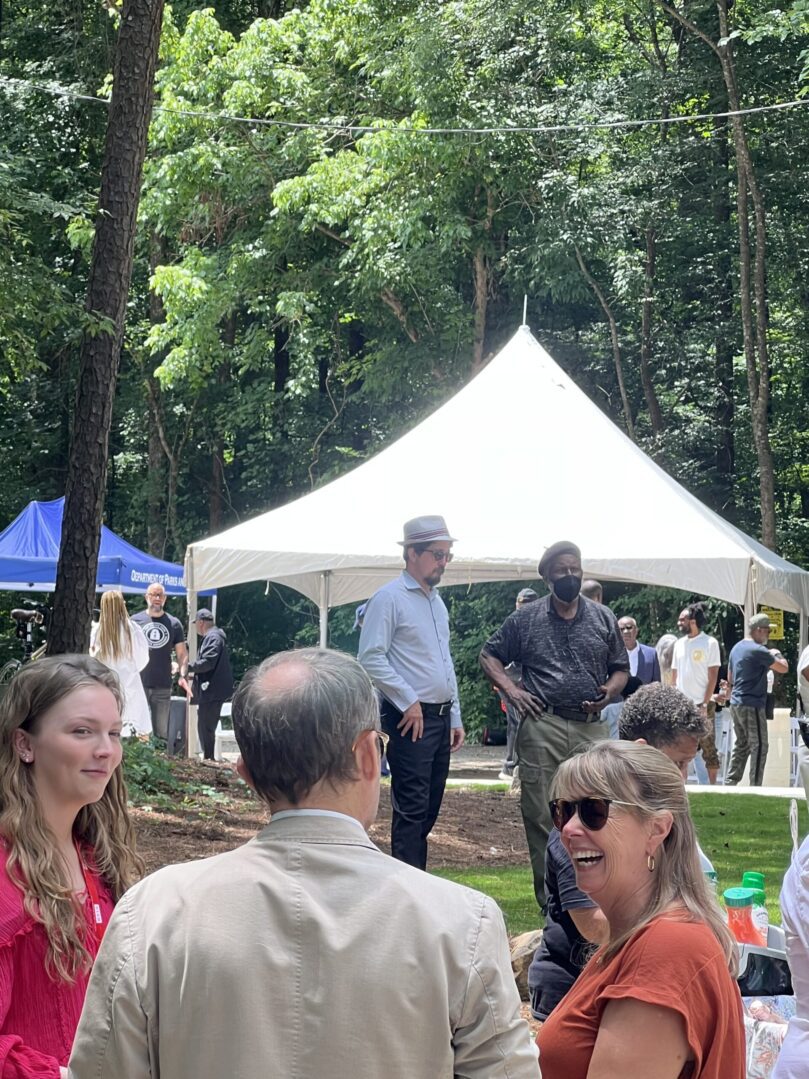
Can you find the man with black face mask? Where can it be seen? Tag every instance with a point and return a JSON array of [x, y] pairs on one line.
[[574, 663]]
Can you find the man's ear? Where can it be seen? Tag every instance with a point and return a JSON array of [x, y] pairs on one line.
[[366, 756], [244, 773], [641, 742]]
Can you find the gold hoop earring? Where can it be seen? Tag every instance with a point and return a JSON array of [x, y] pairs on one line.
[[650, 862]]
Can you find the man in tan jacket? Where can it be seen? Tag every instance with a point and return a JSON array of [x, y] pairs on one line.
[[307, 952]]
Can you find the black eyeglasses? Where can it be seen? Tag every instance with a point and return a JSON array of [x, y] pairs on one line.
[[439, 556], [593, 812]]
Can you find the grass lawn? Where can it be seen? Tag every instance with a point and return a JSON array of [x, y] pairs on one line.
[[737, 832]]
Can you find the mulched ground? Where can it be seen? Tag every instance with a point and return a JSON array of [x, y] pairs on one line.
[[475, 828]]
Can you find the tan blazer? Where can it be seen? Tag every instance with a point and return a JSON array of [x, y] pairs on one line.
[[306, 954]]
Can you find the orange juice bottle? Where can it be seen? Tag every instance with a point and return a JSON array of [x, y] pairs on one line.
[[739, 903]]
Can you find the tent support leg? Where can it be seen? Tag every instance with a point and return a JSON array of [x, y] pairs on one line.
[[191, 741], [751, 597], [802, 642], [324, 609]]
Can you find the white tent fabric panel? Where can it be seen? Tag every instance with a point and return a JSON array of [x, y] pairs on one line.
[[517, 459]]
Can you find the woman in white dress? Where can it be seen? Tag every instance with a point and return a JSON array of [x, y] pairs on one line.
[[119, 644]]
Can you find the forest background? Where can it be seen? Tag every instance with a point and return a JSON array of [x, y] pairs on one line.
[[302, 294]]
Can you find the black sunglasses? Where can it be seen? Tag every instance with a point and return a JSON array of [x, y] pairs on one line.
[[593, 812]]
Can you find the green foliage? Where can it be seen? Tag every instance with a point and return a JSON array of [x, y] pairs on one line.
[[148, 773], [302, 296]]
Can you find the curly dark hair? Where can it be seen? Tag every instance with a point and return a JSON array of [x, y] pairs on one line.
[[660, 714]]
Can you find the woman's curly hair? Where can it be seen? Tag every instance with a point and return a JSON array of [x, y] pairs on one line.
[[34, 864]]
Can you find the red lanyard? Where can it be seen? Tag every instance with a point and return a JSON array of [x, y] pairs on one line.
[[99, 924]]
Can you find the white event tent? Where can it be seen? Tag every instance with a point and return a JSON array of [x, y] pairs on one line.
[[517, 459]]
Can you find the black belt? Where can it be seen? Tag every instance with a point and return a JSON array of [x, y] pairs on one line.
[[573, 714], [436, 709]]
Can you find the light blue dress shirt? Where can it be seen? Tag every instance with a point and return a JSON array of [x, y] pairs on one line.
[[404, 646]]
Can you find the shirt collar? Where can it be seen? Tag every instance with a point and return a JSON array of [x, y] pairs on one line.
[[413, 585], [317, 813]]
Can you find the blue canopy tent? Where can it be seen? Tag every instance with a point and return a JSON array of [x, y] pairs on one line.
[[29, 551]]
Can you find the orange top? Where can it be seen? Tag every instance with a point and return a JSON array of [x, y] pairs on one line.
[[669, 963]]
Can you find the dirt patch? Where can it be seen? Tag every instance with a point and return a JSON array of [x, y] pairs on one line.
[[476, 827]]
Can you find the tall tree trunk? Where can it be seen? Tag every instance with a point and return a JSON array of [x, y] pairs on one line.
[[482, 280], [156, 484], [752, 270], [173, 455], [110, 273], [649, 392], [725, 334], [614, 338]]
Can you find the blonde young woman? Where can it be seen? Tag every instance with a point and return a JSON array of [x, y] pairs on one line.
[[66, 852], [121, 646], [659, 999]]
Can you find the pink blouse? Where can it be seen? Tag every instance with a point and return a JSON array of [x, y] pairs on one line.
[[38, 1016]]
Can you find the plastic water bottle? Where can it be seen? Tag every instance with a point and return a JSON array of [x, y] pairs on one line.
[[739, 904], [761, 918]]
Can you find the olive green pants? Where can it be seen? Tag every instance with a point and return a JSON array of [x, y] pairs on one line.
[[542, 745]]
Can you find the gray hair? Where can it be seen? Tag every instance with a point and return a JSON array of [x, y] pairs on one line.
[[665, 652], [626, 771], [301, 730]]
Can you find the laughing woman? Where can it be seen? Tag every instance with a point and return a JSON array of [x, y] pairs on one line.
[[66, 852], [659, 999]]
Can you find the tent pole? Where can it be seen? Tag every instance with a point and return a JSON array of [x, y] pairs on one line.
[[750, 599], [191, 742], [802, 642], [324, 609]]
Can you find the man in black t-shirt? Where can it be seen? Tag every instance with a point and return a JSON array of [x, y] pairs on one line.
[[163, 633]]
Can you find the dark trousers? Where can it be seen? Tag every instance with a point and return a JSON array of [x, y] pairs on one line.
[[418, 775], [159, 698], [207, 719]]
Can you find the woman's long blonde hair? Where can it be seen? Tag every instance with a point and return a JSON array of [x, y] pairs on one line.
[[629, 772], [113, 640], [34, 864]]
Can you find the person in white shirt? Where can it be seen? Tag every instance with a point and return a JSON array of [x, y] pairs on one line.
[[793, 1060], [694, 668], [803, 690]]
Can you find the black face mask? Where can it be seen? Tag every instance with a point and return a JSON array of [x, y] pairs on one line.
[[567, 588]]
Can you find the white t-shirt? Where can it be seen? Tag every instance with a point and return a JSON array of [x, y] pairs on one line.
[[803, 684], [633, 660], [691, 659]]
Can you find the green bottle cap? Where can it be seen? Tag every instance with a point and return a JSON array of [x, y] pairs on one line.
[[739, 897], [753, 880], [759, 897]]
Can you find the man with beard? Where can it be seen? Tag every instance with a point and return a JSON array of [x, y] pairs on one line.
[[163, 633], [574, 663], [404, 647]]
